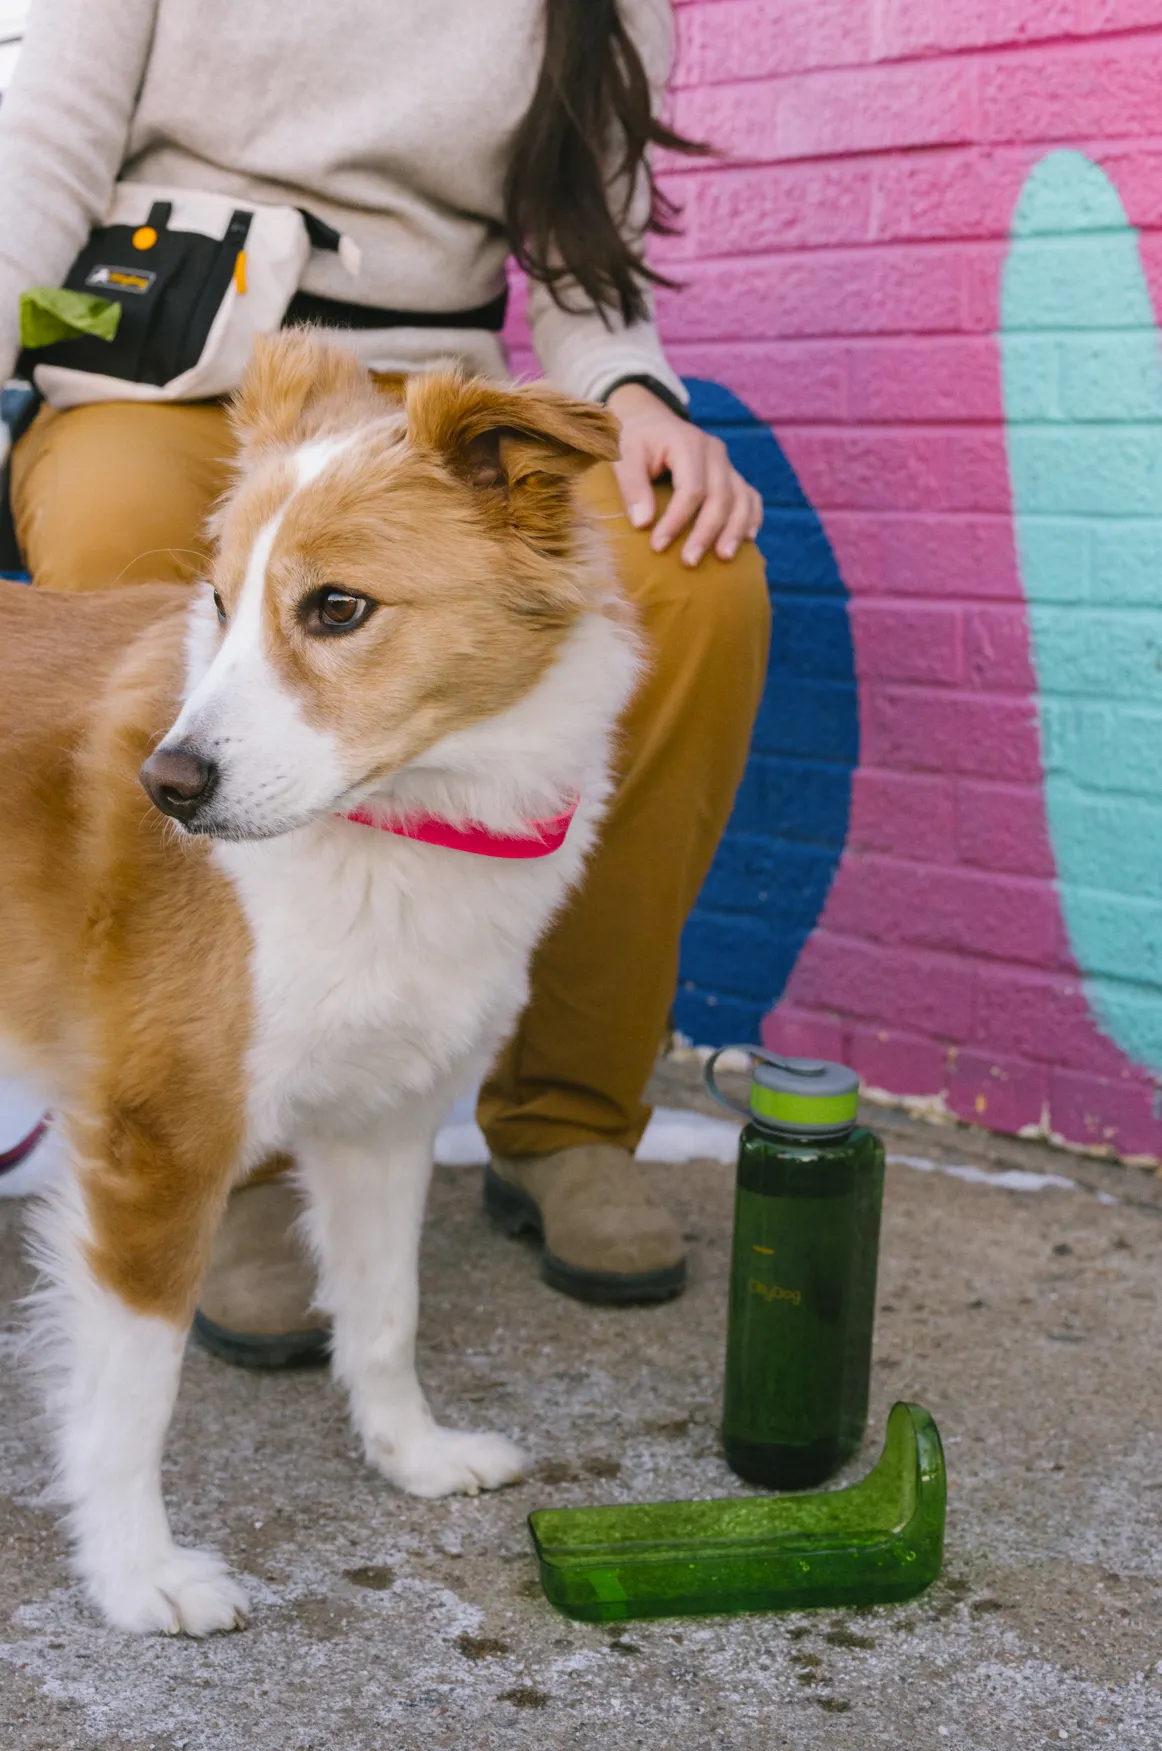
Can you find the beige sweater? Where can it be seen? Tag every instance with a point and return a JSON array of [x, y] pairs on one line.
[[391, 119]]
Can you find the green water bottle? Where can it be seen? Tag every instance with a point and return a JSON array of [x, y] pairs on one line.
[[803, 1272]]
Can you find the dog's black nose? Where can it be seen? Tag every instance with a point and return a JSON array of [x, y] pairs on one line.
[[180, 783]]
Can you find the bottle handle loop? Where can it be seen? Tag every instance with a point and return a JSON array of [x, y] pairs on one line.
[[754, 1052]]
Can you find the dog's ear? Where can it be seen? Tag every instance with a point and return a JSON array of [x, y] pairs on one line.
[[295, 382], [519, 448]]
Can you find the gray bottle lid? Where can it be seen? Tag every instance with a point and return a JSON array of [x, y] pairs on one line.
[[795, 1096]]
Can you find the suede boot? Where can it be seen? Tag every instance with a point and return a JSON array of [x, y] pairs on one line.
[[256, 1302], [606, 1239]]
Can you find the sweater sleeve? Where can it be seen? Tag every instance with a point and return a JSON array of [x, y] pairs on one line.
[[64, 125], [580, 351]]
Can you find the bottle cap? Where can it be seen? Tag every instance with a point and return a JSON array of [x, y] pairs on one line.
[[794, 1096], [804, 1095]]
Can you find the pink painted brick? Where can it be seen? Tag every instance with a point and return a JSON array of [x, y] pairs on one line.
[[893, 468], [997, 650], [888, 291], [857, 540], [803, 1033], [804, 381], [1001, 917], [898, 1063], [919, 27], [781, 206], [867, 469], [1120, 1114], [823, 115], [682, 68], [750, 39], [1006, 1094], [957, 558], [1043, 1017], [1091, 89], [1150, 248], [907, 642], [741, 121], [1137, 174], [960, 192], [903, 815], [959, 911], [1002, 827], [891, 986], [978, 471], [918, 380], [923, 730], [983, 265]]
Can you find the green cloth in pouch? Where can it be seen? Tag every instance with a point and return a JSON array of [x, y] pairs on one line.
[[52, 313]]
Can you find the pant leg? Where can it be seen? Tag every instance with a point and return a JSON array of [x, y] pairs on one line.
[[118, 492], [604, 978]]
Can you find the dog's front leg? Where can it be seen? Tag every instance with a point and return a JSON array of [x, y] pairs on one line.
[[365, 1212], [122, 1247]]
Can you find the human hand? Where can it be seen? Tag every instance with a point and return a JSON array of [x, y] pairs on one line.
[[710, 496]]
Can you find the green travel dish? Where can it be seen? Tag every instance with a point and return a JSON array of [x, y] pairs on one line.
[[876, 1543]]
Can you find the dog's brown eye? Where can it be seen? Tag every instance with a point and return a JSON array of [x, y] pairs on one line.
[[332, 610], [339, 610], [221, 607]]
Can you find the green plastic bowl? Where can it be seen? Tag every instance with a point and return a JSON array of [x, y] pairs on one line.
[[876, 1543]]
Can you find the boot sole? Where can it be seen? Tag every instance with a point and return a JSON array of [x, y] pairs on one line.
[[514, 1211], [296, 1349]]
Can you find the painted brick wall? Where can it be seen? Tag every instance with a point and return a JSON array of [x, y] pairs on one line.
[[925, 279]]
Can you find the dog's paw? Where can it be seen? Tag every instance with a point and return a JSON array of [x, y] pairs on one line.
[[186, 1592], [448, 1462]]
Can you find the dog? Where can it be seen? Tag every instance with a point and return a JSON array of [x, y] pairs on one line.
[[407, 620]]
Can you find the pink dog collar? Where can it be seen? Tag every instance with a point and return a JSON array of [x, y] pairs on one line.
[[542, 838]]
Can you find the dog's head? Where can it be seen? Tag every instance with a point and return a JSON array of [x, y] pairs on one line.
[[385, 573]]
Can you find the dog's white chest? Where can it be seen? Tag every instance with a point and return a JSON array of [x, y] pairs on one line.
[[379, 969]]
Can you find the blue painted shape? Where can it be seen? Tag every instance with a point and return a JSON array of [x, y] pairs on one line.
[[1083, 407], [778, 857]]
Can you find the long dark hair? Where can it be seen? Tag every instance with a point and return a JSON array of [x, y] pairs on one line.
[[593, 98]]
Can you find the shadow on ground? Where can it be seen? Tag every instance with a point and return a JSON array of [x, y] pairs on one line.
[[1027, 1322]]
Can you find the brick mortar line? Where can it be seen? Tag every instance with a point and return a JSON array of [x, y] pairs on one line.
[[984, 54]]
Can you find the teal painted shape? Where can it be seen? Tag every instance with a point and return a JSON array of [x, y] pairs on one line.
[[1082, 371]]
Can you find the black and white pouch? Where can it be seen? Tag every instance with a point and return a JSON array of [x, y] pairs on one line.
[[197, 277]]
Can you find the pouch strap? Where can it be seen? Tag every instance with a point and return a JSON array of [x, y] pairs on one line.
[[335, 313], [320, 235]]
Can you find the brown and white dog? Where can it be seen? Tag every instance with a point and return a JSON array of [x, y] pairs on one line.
[[407, 614]]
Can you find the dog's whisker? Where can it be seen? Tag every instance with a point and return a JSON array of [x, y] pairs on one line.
[[192, 552]]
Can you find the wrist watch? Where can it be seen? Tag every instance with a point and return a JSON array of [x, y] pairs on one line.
[[663, 393]]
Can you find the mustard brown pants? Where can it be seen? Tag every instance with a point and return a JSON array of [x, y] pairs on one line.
[[117, 494]]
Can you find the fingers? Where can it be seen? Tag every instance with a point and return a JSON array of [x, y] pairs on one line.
[[746, 521], [710, 500], [633, 478], [738, 523], [688, 473], [716, 510]]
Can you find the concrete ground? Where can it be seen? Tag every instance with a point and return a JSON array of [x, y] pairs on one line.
[[1027, 1321]]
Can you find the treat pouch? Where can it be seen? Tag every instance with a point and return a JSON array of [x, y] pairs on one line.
[[195, 277]]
